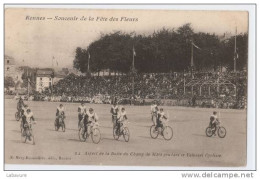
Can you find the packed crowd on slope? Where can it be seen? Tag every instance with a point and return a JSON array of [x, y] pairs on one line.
[[170, 86]]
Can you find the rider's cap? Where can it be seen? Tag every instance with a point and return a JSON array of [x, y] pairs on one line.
[[91, 109], [61, 104], [161, 109], [82, 103], [215, 112], [28, 110], [123, 109]]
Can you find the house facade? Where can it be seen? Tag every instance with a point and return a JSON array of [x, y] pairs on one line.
[[44, 79]]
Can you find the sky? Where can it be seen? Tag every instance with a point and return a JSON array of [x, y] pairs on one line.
[[52, 41]]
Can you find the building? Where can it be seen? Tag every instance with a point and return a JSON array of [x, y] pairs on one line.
[[44, 79], [12, 70]]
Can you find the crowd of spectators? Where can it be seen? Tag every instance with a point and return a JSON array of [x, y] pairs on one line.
[[223, 90]]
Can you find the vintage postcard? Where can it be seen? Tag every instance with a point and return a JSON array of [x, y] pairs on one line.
[[107, 87]]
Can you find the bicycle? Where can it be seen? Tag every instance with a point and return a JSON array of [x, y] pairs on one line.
[[114, 117], [27, 134], [220, 130], [164, 130], [93, 131], [60, 123], [18, 115], [124, 131]]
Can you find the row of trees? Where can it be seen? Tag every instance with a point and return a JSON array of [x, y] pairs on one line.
[[165, 50]]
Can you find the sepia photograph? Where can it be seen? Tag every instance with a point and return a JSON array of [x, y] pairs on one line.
[[126, 87]]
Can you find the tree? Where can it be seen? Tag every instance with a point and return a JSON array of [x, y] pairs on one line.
[[166, 50], [9, 82]]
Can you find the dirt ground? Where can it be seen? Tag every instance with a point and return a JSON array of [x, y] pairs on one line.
[[189, 146]]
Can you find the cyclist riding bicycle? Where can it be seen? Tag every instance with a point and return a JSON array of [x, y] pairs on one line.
[[24, 109], [81, 112], [154, 111], [27, 119], [90, 118], [121, 118], [60, 113], [161, 118], [213, 121], [114, 111], [20, 106]]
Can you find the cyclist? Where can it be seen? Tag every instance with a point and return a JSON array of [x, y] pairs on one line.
[[81, 112], [213, 121], [90, 118], [20, 106], [154, 111], [121, 118], [114, 111], [160, 119], [60, 112], [27, 119]]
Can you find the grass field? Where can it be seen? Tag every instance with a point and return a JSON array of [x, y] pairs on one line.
[[188, 147]]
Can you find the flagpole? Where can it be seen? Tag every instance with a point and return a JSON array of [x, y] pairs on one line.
[[191, 60], [235, 52], [28, 83], [88, 60], [133, 71], [88, 63]]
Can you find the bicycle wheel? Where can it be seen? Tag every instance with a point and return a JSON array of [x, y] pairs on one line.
[[153, 132], [126, 134], [114, 121], [167, 133], [115, 133], [95, 135], [21, 127], [33, 141], [23, 136], [222, 132], [209, 132], [63, 126], [17, 116], [30, 137], [56, 125], [82, 134], [27, 134]]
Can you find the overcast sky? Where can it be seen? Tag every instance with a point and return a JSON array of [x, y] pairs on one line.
[[36, 42]]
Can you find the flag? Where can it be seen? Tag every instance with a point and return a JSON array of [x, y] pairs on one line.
[[134, 53], [195, 46]]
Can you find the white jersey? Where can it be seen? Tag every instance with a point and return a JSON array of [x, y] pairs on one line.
[[28, 116], [121, 116], [154, 108], [162, 116], [215, 118], [82, 109], [60, 109], [92, 117]]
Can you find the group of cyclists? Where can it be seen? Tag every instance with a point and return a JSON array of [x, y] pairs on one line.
[[89, 116], [25, 113]]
